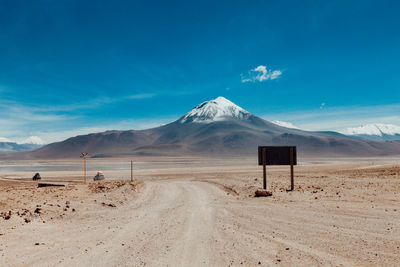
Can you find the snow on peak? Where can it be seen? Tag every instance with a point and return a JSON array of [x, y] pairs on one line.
[[215, 110], [285, 124], [34, 140], [5, 140], [377, 129]]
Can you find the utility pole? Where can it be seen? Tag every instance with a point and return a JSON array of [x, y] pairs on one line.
[[131, 170], [83, 155]]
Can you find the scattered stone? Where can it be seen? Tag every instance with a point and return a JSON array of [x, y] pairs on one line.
[[38, 211], [37, 244], [5, 215], [262, 193], [27, 220], [109, 205]]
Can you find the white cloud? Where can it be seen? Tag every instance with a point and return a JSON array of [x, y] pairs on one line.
[[140, 96], [260, 74]]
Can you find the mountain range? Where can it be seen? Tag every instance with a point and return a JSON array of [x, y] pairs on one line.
[[8, 147], [217, 127], [376, 131]]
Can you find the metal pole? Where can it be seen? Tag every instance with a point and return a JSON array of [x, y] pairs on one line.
[[291, 170], [131, 170], [264, 168], [84, 163]]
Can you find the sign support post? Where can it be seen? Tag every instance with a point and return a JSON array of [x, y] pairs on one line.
[[291, 170], [264, 168], [277, 155]]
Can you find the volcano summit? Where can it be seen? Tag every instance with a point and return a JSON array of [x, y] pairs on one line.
[[217, 127]]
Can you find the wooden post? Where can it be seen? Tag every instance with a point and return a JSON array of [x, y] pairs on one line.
[[131, 170], [264, 151], [84, 168], [291, 169]]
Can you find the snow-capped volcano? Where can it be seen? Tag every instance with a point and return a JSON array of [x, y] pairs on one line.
[[215, 110], [379, 130]]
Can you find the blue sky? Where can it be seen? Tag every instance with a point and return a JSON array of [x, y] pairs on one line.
[[74, 67]]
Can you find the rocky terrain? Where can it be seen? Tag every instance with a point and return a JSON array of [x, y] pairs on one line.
[[190, 212]]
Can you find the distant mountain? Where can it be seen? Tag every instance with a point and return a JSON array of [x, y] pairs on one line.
[[214, 128], [377, 131], [7, 147]]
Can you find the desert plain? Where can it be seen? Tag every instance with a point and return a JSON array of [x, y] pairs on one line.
[[200, 212]]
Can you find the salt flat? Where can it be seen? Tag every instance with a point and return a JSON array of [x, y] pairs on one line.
[[201, 212]]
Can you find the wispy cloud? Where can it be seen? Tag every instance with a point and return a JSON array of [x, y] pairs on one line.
[[48, 123], [141, 96], [260, 74], [94, 103]]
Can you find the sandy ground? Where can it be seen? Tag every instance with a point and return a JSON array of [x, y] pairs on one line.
[[202, 212]]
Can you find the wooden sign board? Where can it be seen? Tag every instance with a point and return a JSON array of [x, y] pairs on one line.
[[277, 155]]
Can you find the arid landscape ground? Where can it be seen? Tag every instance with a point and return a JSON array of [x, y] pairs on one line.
[[201, 212]]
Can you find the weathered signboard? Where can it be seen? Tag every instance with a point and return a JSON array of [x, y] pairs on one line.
[[277, 155]]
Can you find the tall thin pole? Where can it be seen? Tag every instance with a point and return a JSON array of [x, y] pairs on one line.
[[264, 168], [83, 155], [291, 169], [131, 170], [84, 164]]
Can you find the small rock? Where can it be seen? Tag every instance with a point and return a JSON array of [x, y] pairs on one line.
[[262, 193]]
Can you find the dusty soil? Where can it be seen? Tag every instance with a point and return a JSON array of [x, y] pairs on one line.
[[191, 214]]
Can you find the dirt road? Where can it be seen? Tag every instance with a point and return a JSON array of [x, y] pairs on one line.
[[170, 223], [199, 221]]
